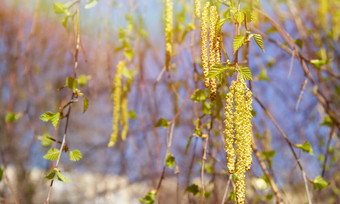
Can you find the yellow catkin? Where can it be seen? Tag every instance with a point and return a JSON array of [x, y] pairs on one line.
[[124, 117], [229, 129], [198, 9], [204, 43], [116, 102], [168, 32], [212, 49], [248, 126]]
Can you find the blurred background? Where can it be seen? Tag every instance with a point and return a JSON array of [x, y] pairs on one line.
[[296, 79]]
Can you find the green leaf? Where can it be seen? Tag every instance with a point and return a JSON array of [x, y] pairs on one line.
[[129, 54], [45, 140], [91, 3], [51, 175], [63, 178], [199, 95], [327, 121], [299, 43], [188, 144], [52, 154], [1, 173], [220, 24], [319, 183], [170, 161], [149, 198], [86, 104], [82, 80], [49, 116], [258, 40], [12, 117], [217, 69], [318, 63], [206, 108], [245, 73], [132, 114], [263, 75], [59, 8], [71, 83], [238, 42], [268, 154], [193, 188], [231, 196], [306, 147], [75, 155], [162, 122], [64, 21]]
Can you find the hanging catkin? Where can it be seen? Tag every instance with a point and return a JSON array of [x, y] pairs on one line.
[[239, 124], [198, 9], [124, 119], [168, 33], [204, 43], [116, 102], [212, 49]]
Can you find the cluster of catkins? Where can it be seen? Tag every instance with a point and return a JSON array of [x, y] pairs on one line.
[[168, 16], [120, 104], [209, 21], [238, 130]]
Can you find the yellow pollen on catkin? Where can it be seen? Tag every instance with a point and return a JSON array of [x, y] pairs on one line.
[[212, 49], [124, 117], [168, 32], [239, 123], [198, 9], [116, 102], [204, 43]]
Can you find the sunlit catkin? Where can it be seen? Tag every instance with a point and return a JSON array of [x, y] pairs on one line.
[[204, 43], [239, 123], [212, 49], [229, 129], [168, 33], [116, 102], [124, 117], [198, 9]]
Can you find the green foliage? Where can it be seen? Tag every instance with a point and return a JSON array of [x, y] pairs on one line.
[[82, 80], [12, 117], [162, 123], [59, 8], [86, 104], [1, 173], [71, 83], [188, 144], [231, 196], [75, 155], [51, 174], [327, 121], [268, 154], [149, 198], [320, 183], [132, 114], [218, 69], [91, 3], [45, 140], [258, 40], [306, 147], [193, 188], [263, 75], [299, 43], [245, 73], [238, 42], [318, 63], [62, 178], [170, 161], [52, 154], [199, 95], [49, 116]]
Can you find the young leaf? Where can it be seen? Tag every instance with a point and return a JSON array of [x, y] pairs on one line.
[[238, 42], [62, 178], [170, 161], [319, 183], [258, 40], [91, 3], [268, 154], [299, 43], [162, 122], [198, 95], [49, 116], [149, 198], [82, 80], [132, 114], [59, 8], [71, 83], [51, 175], [306, 147], [220, 24], [52, 154], [263, 75], [45, 140], [193, 188], [327, 121], [245, 73], [86, 104], [318, 63], [75, 155], [216, 70], [12, 117], [1, 173]]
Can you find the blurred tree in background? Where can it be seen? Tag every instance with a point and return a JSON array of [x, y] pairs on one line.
[[169, 140]]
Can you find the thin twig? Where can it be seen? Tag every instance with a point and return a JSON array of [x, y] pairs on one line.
[[226, 189]]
